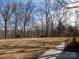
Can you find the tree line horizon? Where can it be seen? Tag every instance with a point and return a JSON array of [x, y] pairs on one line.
[[19, 20]]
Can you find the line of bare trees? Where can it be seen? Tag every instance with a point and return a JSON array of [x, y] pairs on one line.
[[27, 20]]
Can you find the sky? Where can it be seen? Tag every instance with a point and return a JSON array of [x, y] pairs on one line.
[[73, 10], [24, 1], [38, 2]]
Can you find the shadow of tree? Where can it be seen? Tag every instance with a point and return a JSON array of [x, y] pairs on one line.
[[70, 51]]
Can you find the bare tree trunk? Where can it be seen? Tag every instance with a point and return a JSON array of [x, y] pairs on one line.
[[42, 28], [52, 29], [5, 29], [46, 25], [15, 27], [47, 12], [24, 34]]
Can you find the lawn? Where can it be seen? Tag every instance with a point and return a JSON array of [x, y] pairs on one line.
[[27, 48]]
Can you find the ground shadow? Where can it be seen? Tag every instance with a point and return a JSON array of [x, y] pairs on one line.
[[71, 51]]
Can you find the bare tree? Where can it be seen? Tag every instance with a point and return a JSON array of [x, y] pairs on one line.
[[47, 10], [60, 14], [28, 8], [18, 17], [6, 12]]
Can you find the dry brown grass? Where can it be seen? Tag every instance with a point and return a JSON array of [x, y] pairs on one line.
[[28, 48]]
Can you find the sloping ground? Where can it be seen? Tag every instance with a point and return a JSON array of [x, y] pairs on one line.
[[53, 53], [59, 54], [30, 48], [69, 50]]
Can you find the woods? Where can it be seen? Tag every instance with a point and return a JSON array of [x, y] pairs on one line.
[[47, 20]]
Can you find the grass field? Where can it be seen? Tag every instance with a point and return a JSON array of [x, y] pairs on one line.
[[28, 48]]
